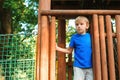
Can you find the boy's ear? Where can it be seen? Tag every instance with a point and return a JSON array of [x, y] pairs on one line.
[[87, 25]]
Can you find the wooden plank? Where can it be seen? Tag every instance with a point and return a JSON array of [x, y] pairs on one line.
[[103, 48], [111, 63]]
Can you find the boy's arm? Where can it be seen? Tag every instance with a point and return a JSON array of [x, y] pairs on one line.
[[64, 50]]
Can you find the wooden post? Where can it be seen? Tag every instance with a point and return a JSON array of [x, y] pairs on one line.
[[103, 48], [52, 49], [43, 43], [117, 18], [61, 56], [70, 67], [96, 48], [93, 49], [44, 55], [111, 63], [38, 43]]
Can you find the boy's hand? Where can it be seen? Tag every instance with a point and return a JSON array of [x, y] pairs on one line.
[[56, 46]]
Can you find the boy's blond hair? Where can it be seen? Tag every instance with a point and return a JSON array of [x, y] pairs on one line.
[[82, 18]]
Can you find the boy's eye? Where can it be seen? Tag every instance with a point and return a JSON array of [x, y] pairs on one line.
[[79, 24], [76, 24]]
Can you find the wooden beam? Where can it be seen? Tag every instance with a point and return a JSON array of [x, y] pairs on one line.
[[78, 12]]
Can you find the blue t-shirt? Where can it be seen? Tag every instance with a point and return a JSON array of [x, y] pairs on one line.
[[82, 50]]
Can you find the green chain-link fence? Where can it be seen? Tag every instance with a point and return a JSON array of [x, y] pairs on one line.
[[17, 56]]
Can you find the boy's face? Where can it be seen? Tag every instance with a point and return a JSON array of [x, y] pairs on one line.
[[81, 27]]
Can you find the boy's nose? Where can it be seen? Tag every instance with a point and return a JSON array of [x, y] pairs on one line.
[[79, 25]]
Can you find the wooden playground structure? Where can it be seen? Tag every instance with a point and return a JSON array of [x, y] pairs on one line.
[[106, 43]]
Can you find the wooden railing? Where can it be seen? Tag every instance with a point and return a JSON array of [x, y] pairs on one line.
[[105, 64]]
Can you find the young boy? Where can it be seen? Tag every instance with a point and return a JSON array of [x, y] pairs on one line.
[[81, 43]]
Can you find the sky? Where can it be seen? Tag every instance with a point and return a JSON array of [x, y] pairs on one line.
[[71, 22]]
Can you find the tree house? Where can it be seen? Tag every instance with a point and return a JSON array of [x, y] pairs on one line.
[[105, 41]]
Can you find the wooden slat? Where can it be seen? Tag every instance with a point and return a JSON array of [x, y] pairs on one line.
[[96, 48], [117, 18], [103, 48], [111, 63], [52, 48]]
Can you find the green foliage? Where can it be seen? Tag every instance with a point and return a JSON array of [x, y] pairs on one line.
[[23, 12], [70, 31]]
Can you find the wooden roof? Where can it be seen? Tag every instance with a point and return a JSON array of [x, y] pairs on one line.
[[85, 4], [82, 4]]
